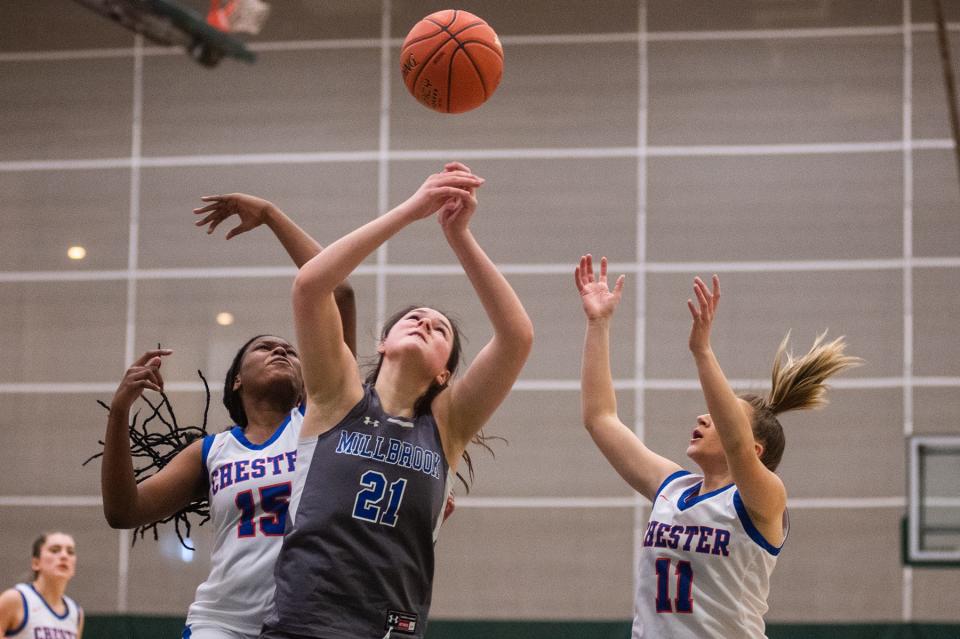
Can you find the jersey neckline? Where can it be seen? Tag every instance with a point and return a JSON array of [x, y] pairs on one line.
[[239, 435], [63, 600], [688, 501]]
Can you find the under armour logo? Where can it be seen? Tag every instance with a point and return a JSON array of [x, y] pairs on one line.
[[368, 421], [393, 619]]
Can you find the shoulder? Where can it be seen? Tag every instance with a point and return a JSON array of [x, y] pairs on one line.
[[12, 604]]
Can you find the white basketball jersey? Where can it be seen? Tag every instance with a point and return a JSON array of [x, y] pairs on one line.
[[41, 622], [704, 567], [249, 488]]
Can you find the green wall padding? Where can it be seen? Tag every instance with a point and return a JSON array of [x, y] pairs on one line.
[[144, 627]]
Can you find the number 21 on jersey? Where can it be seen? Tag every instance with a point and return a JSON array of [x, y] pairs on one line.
[[378, 501]]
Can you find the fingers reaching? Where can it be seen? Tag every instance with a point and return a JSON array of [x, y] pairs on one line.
[[149, 356]]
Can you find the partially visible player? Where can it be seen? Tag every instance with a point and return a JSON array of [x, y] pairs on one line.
[[246, 472], [713, 538], [359, 561], [41, 608]]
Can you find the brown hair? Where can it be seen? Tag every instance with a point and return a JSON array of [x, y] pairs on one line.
[[795, 384]]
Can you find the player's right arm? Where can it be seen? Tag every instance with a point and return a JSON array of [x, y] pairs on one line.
[[330, 372], [11, 610], [127, 504], [252, 212], [640, 467]]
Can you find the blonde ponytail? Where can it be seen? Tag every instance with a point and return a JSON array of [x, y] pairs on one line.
[[799, 383], [795, 384]]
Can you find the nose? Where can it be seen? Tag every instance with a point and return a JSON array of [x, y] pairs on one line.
[[280, 348], [703, 421], [426, 323]]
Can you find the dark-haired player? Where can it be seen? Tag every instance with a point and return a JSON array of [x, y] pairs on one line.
[[246, 472], [378, 457]]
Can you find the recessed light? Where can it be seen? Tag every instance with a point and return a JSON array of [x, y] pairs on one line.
[[76, 252], [224, 319]]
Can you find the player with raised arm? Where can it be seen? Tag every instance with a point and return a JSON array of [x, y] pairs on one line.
[[713, 537], [359, 561], [247, 471]]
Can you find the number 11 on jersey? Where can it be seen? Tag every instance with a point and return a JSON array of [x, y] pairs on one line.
[[684, 573]]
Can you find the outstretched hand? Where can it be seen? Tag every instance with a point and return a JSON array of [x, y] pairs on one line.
[[142, 375], [599, 301], [703, 313], [251, 210], [456, 212], [442, 191]]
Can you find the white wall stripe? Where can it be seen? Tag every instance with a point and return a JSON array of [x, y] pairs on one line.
[[546, 153], [802, 503], [383, 161], [136, 137], [240, 272], [640, 279], [509, 40], [907, 164], [50, 501], [528, 385]]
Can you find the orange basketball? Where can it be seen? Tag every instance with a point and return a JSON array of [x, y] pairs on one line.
[[451, 61]]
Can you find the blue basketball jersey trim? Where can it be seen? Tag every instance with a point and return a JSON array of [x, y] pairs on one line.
[[26, 616], [303, 409], [186, 633], [670, 478], [66, 605], [205, 452], [686, 501], [237, 432], [752, 531]]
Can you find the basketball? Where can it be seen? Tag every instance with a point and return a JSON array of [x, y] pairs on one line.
[[451, 61]]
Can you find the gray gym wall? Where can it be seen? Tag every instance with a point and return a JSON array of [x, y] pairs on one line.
[[799, 148]]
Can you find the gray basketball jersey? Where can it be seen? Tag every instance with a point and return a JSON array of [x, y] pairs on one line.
[[358, 561]]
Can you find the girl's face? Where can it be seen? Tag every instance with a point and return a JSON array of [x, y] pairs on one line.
[[705, 446], [58, 557], [269, 360], [428, 334], [704, 441]]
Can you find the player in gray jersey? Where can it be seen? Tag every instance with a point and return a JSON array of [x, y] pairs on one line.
[[377, 457]]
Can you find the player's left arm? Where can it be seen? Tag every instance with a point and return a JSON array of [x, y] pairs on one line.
[[252, 212], [11, 610], [470, 401], [762, 491]]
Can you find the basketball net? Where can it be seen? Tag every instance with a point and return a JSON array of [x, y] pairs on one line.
[[238, 16]]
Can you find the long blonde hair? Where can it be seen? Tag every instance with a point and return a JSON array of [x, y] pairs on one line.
[[796, 383]]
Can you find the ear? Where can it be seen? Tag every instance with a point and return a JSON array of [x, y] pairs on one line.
[[757, 446], [442, 378], [35, 564], [380, 348], [236, 382]]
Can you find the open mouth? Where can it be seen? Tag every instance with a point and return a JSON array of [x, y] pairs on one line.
[[696, 435]]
